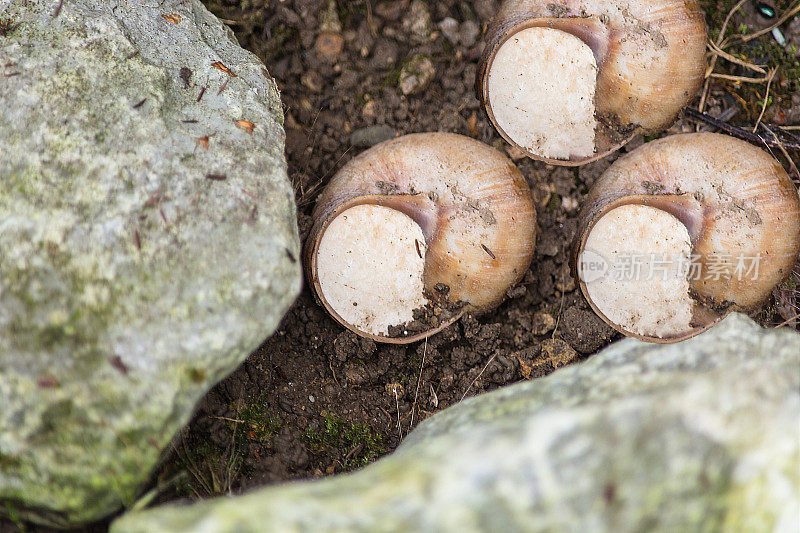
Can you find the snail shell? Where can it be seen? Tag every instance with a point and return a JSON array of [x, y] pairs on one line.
[[718, 216], [570, 81], [416, 231]]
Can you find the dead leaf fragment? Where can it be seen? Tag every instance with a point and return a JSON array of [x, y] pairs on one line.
[[221, 66], [246, 125]]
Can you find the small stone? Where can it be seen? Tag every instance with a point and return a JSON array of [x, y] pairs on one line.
[[313, 80], [557, 353], [485, 9], [449, 28], [329, 21], [564, 280], [542, 323], [390, 10], [369, 109], [385, 54], [417, 24], [416, 75], [569, 204], [468, 34], [371, 135], [329, 46]]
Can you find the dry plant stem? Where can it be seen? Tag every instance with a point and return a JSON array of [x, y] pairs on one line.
[[741, 79], [771, 75], [478, 376], [786, 322], [739, 132], [733, 59], [782, 148], [713, 63], [738, 39], [419, 380]]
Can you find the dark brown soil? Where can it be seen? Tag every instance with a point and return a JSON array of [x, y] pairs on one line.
[[315, 399]]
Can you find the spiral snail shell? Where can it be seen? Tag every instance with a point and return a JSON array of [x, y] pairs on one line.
[[416, 231], [720, 219], [570, 81]]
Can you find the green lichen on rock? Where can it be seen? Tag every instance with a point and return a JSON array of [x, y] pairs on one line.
[[130, 283], [695, 436]]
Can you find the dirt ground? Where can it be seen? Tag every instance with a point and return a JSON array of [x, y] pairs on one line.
[[315, 399]]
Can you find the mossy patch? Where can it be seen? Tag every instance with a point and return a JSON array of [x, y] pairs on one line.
[[253, 424], [763, 51], [358, 443]]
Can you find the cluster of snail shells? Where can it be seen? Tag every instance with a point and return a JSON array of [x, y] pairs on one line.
[[418, 230]]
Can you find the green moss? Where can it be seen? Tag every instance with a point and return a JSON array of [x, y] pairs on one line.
[[11, 513], [7, 27], [716, 11], [346, 437], [196, 375], [555, 202], [254, 424]]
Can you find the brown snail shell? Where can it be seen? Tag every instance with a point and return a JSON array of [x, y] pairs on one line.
[[571, 81], [431, 224], [722, 207]]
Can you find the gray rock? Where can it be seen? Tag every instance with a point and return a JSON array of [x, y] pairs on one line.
[[696, 436], [148, 239]]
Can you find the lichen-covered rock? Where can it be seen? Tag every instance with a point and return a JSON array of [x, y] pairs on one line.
[[696, 436], [148, 239]]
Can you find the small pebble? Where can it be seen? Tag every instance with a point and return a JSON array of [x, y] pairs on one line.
[[417, 23], [313, 81], [468, 34], [542, 323], [371, 135], [449, 28], [416, 75], [329, 46]]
